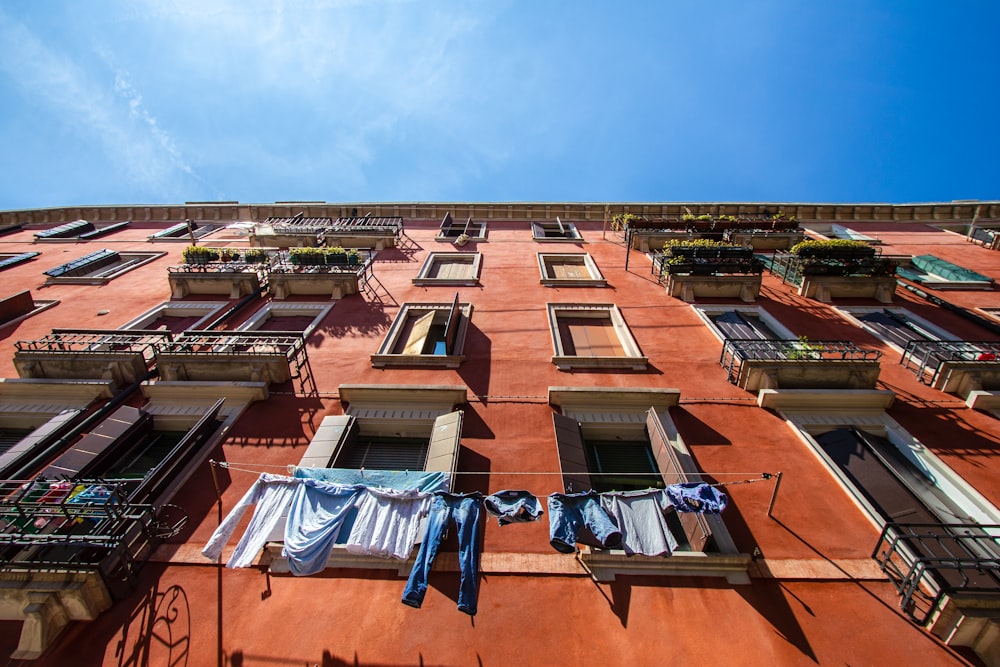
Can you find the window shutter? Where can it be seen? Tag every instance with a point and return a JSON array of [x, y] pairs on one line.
[[738, 326], [335, 435], [446, 437], [896, 328], [451, 328], [695, 527], [418, 335], [572, 457]]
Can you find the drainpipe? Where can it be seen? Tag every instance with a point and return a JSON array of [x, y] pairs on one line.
[[958, 310], [25, 470]]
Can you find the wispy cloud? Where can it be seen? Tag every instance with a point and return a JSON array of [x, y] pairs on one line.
[[101, 107]]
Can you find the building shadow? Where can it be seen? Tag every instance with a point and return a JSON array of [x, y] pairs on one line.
[[695, 431], [475, 372]]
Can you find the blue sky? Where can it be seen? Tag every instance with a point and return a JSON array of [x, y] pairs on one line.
[[166, 101]]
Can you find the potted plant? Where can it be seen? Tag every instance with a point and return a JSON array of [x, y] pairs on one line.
[[834, 249], [307, 256], [254, 256], [353, 257], [198, 255], [335, 255]]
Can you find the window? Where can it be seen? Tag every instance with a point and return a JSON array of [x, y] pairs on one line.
[[176, 316], [99, 267], [8, 259], [743, 322], [622, 439], [21, 306], [450, 268], [592, 336], [894, 326], [939, 525], [555, 231], [78, 230], [184, 231], [569, 270], [454, 231], [301, 317], [426, 334], [937, 273]]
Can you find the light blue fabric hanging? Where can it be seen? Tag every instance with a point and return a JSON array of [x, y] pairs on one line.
[[315, 518]]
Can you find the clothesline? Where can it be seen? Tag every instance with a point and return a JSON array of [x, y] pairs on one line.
[[751, 477], [242, 467]]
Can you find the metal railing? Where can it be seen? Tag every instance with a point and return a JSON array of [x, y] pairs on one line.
[[735, 351], [926, 562], [252, 343], [97, 341], [927, 358], [83, 525]]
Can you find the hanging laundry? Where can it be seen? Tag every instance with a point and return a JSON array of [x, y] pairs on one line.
[[513, 506], [271, 494], [429, 482], [465, 511], [316, 514], [697, 497], [639, 516], [387, 522], [569, 513]]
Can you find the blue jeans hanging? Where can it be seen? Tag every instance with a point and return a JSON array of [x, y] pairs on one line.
[[466, 510]]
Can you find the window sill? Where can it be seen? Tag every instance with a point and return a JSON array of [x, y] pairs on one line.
[[606, 564], [424, 360], [565, 363]]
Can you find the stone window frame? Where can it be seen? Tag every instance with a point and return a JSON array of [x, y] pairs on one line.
[[212, 310], [143, 257], [633, 359], [433, 259], [851, 313], [266, 312], [570, 232], [596, 279], [385, 357], [705, 312]]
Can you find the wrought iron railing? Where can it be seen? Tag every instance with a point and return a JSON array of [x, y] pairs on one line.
[[928, 358], [927, 562], [79, 525], [97, 341], [736, 351]]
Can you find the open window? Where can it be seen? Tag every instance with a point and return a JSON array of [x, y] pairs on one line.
[[592, 336], [624, 439], [460, 232], [555, 231], [450, 268], [426, 334], [99, 267], [939, 535]]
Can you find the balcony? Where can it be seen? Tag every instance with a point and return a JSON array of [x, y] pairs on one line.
[[854, 272], [376, 232], [759, 232], [955, 367], [234, 356], [232, 272], [947, 577], [320, 272], [689, 271], [755, 364], [122, 357], [63, 559]]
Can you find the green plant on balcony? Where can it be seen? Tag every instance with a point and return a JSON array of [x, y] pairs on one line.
[[803, 349], [623, 220], [307, 256], [194, 254], [335, 255], [229, 255], [254, 256], [833, 249]]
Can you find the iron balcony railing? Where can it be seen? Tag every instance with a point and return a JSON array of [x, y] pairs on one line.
[[736, 351], [79, 525], [252, 343], [928, 358], [927, 562], [97, 342]]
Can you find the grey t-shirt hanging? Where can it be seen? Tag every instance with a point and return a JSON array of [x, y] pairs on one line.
[[639, 517]]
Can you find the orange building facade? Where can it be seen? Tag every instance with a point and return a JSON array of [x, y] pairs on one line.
[[850, 415]]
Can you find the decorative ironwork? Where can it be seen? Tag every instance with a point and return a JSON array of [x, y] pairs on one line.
[[926, 562], [735, 351], [928, 358]]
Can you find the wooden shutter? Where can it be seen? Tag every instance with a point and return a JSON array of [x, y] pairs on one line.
[[446, 224], [589, 337], [335, 435], [572, 457], [738, 326], [446, 438], [418, 334], [695, 527], [896, 328], [451, 328], [41, 437]]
